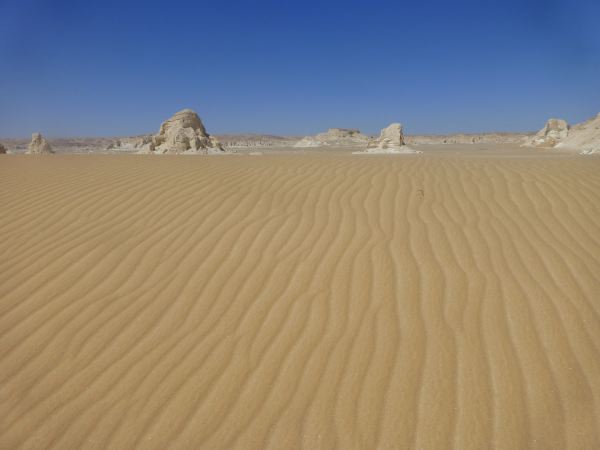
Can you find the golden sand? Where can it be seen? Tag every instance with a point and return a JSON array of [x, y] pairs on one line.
[[318, 301]]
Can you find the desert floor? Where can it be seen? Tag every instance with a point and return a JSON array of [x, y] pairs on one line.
[[448, 300]]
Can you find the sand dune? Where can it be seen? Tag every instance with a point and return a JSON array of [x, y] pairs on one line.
[[300, 301]]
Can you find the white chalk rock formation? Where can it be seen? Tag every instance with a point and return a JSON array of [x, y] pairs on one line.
[[583, 137], [553, 132], [392, 136], [334, 137], [2, 150], [38, 145], [391, 140], [182, 133]]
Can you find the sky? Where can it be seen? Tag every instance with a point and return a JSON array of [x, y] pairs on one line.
[[118, 68]]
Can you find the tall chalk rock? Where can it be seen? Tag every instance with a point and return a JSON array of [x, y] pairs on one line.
[[39, 145]]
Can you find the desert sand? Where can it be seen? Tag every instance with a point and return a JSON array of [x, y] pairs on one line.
[[445, 300]]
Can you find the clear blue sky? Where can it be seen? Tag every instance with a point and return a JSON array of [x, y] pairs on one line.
[[94, 67]]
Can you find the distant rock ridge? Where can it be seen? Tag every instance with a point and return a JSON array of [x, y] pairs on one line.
[[39, 145], [469, 138], [182, 133], [344, 133], [334, 137], [249, 140]]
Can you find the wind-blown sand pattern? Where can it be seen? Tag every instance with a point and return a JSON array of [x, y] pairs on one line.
[[300, 301]]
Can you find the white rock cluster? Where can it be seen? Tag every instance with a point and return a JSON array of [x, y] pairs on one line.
[[182, 133]]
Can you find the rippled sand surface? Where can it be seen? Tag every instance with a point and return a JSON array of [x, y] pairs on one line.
[[316, 301]]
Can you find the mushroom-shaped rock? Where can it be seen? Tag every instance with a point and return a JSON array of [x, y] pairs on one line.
[[2, 149], [185, 118], [39, 145], [182, 133]]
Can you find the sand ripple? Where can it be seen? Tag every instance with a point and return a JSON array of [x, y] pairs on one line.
[[308, 301]]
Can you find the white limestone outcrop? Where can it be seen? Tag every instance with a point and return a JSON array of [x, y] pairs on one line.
[[182, 133], [39, 145]]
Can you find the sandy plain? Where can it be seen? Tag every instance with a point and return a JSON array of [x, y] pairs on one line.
[[447, 300]]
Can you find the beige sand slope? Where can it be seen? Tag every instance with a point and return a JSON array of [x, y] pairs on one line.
[[300, 301]]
